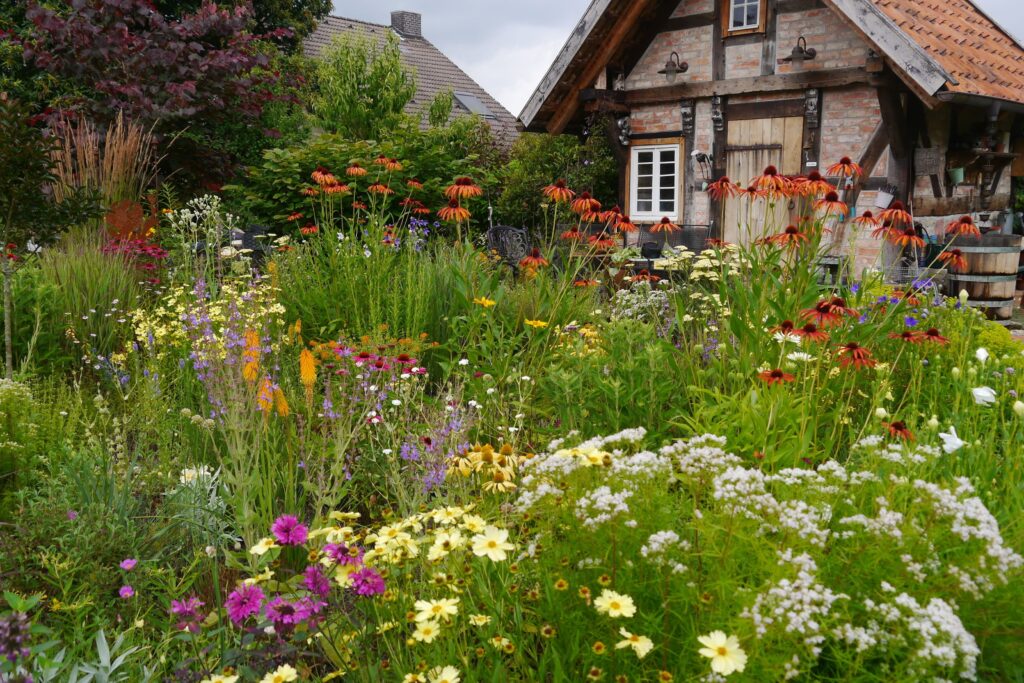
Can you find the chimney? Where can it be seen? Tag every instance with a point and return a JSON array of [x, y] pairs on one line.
[[407, 24]]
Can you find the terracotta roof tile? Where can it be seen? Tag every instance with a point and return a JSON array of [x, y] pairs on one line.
[[435, 72], [984, 59]]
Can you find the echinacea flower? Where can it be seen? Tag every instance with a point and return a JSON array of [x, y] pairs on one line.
[[292, 217], [907, 237], [897, 215], [723, 188], [309, 191], [772, 182], [664, 225], [533, 260], [321, 176], [559, 192], [845, 168], [753, 192], [454, 213], [493, 542], [309, 230], [898, 430], [775, 376], [814, 185], [831, 205], [601, 241], [244, 602], [355, 171], [643, 275], [585, 204], [725, 652], [463, 188], [611, 216], [388, 163], [954, 258], [932, 335], [624, 224], [614, 604], [824, 314], [380, 188], [792, 237], [963, 226], [906, 336], [573, 234], [856, 355], [866, 218], [337, 189], [289, 531], [583, 282]]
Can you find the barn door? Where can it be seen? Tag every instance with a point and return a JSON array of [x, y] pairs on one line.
[[751, 146]]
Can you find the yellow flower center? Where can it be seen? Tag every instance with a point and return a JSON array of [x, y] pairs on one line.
[[722, 651], [492, 544], [614, 604]]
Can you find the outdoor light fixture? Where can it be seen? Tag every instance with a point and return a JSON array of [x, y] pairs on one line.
[[673, 67], [801, 53]]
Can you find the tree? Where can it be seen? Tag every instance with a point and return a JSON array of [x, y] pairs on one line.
[[299, 17], [28, 212], [362, 87]]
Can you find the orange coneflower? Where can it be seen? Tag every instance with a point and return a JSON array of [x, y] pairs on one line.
[[645, 275], [856, 355], [883, 230], [838, 305], [906, 336], [573, 235], [309, 191], [811, 332], [791, 237], [954, 258], [309, 230], [388, 163], [356, 171], [897, 215], [321, 176], [454, 213], [380, 188], [831, 205], [775, 376], [359, 205], [585, 283], [292, 217], [866, 218], [963, 226], [585, 203], [845, 167], [932, 335], [611, 215], [771, 181], [664, 225], [716, 243], [907, 296], [753, 192], [898, 430], [601, 241], [463, 188], [723, 188], [559, 192], [814, 184], [906, 237], [336, 189], [624, 224], [533, 260], [827, 312], [786, 327], [414, 184]]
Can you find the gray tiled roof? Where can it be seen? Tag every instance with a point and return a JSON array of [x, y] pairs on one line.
[[435, 72]]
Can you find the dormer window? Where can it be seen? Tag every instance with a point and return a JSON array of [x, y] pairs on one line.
[[744, 16]]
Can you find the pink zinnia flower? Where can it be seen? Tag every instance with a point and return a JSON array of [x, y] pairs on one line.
[[289, 531], [244, 602]]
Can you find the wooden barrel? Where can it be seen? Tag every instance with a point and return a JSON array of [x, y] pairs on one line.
[[991, 275]]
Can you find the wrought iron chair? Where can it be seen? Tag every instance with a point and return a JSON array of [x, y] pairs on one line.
[[509, 242]]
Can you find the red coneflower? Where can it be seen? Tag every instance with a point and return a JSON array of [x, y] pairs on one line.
[[811, 332], [559, 192], [786, 327], [533, 260], [293, 217], [908, 297], [845, 167], [585, 283], [309, 191], [716, 243], [359, 205], [791, 237], [380, 188], [866, 218], [827, 312], [906, 237], [906, 336], [321, 176], [771, 181], [723, 188], [932, 335], [775, 376], [645, 275], [463, 188], [856, 355], [883, 230], [897, 215], [813, 185], [356, 171], [963, 226], [602, 241], [388, 163], [414, 184], [898, 430], [838, 305], [309, 230], [611, 215], [453, 213], [664, 225], [753, 192], [584, 203], [573, 235], [625, 225], [336, 189], [831, 205], [954, 258]]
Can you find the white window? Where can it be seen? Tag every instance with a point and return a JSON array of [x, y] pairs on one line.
[[744, 14], [654, 183]]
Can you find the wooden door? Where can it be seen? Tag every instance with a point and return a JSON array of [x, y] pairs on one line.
[[751, 146]]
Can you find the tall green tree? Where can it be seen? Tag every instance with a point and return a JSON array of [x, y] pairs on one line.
[[362, 87], [299, 17]]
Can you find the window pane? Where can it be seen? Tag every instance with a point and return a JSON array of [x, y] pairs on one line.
[[645, 194], [751, 15], [645, 157], [668, 155], [645, 169], [737, 17], [668, 193], [644, 181], [667, 207], [644, 207]]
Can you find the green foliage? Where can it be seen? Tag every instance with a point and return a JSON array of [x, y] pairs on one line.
[[300, 17], [362, 87], [441, 109], [18, 434]]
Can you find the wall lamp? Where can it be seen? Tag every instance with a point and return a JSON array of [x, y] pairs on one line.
[[673, 67], [801, 53]]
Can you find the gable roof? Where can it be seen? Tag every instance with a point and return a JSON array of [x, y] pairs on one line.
[[435, 73], [936, 46]]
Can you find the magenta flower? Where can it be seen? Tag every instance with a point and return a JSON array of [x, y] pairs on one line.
[[342, 554], [286, 615], [72, 515], [244, 602], [129, 564], [187, 612], [288, 530], [316, 581], [367, 581], [126, 592]]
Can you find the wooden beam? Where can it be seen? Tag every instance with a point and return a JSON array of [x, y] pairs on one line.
[[689, 21], [768, 47], [792, 6], [657, 20], [832, 78], [895, 117], [869, 158], [773, 109], [719, 133], [622, 27]]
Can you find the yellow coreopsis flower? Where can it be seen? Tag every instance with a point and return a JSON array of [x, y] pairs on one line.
[[492, 543], [427, 631], [427, 610], [724, 651], [479, 619], [220, 679], [263, 546], [446, 674], [536, 324], [641, 644], [615, 604], [484, 301], [283, 674]]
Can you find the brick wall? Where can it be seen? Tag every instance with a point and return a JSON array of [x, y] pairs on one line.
[[693, 46], [837, 45], [742, 59], [849, 117], [690, 7]]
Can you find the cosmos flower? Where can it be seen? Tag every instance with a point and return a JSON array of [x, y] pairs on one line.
[[725, 652], [614, 604]]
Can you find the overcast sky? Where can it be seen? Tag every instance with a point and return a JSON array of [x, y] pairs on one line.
[[507, 45]]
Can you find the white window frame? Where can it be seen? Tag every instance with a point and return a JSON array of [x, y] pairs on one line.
[[734, 4], [654, 215]]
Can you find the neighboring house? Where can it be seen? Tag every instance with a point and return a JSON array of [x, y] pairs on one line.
[[926, 95], [434, 72]]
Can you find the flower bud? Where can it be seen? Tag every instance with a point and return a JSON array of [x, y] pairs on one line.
[[963, 297], [955, 372], [933, 423], [1018, 407], [881, 413]]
